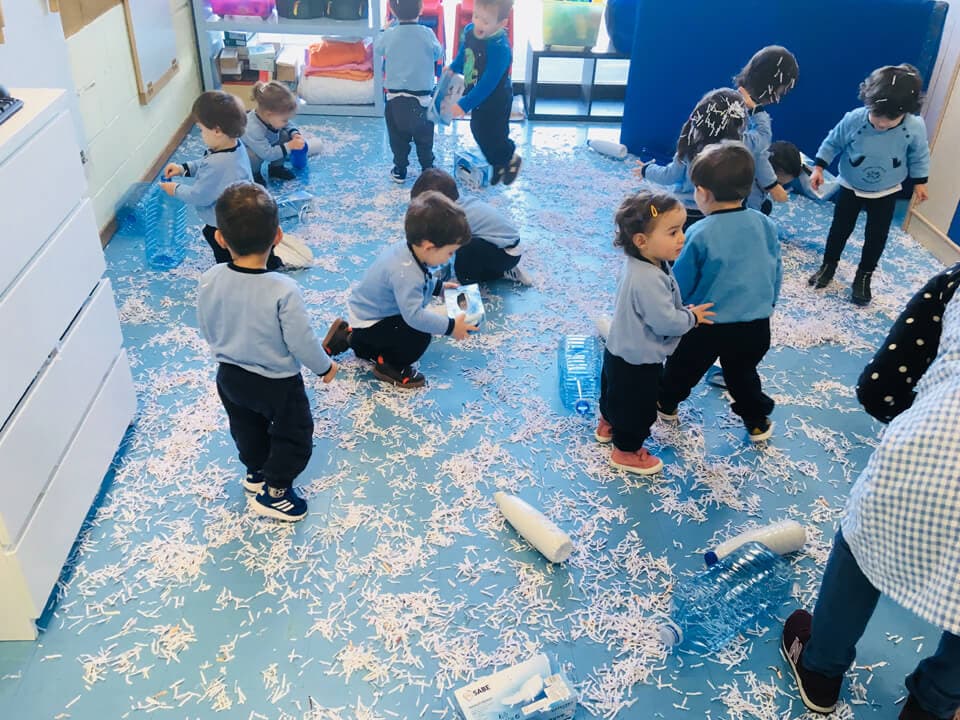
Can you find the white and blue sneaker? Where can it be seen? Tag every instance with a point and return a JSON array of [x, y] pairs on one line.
[[279, 504], [253, 483]]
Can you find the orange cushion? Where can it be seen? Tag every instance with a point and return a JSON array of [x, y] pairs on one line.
[[327, 53]]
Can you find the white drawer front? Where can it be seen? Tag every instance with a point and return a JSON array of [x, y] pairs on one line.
[[36, 311], [40, 184], [52, 530], [38, 433]]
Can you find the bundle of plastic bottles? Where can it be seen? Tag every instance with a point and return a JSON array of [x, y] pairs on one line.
[[578, 363], [146, 210]]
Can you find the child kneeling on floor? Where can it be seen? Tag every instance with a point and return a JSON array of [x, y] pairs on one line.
[[647, 325], [259, 332], [390, 323], [494, 248]]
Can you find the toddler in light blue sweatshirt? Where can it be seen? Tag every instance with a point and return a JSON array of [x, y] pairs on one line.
[[648, 322]]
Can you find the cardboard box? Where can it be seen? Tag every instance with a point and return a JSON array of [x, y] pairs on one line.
[[528, 691], [288, 64], [471, 168], [233, 38], [242, 88], [262, 57], [229, 63]]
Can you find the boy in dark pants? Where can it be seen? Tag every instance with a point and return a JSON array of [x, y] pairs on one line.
[[258, 330], [390, 323], [731, 258], [410, 51], [484, 60], [222, 121]]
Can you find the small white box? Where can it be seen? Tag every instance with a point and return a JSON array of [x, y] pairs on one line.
[[464, 299], [830, 183], [528, 691]]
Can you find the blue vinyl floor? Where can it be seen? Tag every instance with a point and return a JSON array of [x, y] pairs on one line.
[[404, 582]]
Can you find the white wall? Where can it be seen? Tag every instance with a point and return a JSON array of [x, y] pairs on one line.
[[34, 53], [123, 137], [938, 89]]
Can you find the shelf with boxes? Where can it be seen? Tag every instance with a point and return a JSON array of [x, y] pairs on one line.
[[327, 61]]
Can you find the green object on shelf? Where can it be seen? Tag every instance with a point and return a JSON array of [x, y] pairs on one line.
[[569, 23]]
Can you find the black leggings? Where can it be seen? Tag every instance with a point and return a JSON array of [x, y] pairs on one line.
[[879, 217]]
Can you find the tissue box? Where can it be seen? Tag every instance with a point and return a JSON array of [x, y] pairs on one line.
[[292, 204], [528, 691], [233, 38], [471, 168], [262, 57], [464, 299]]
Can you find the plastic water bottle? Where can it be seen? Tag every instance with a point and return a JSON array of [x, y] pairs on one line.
[[166, 230], [578, 362], [782, 537], [710, 609], [609, 148], [132, 209], [298, 158]]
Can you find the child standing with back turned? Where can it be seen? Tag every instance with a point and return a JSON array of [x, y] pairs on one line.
[[259, 332], [648, 322], [880, 145], [731, 258], [484, 60], [410, 52]]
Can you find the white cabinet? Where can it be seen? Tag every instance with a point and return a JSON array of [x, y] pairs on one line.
[[67, 396]]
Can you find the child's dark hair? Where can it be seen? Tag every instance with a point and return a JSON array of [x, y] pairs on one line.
[[785, 158], [435, 217], [406, 9], [725, 169], [720, 115], [892, 91], [435, 179], [247, 218], [503, 7], [220, 111], [771, 73], [274, 97], [639, 213]]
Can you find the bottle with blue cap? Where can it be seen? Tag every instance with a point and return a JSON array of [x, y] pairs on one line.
[[578, 363]]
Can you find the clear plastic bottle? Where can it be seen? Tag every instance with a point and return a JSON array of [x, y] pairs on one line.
[[578, 362], [133, 208], [166, 230], [713, 607]]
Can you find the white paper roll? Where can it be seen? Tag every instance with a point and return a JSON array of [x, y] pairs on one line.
[[535, 527]]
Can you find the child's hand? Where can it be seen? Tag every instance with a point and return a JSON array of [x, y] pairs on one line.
[[778, 193], [702, 313], [295, 143], [461, 328], [451, 285], [641, 164], [457, 111], [172, 170], [816, 178], [747, 100], [332, 373], [169, 188], [920, 192]]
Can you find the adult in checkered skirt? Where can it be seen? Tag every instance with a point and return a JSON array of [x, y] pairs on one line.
[[900, 532]]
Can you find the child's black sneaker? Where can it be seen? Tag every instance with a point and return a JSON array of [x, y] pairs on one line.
[[760, 430], [280, 172], [279, 504], [253, 483], [258, 179], [398, 175], [860, 293], [407, 378], [511, 171], [337, 339], [822, 277], [818, 692], [913, 711]]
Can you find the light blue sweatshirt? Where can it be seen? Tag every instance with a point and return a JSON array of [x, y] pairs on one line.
[[214, 172], [732, 259], [410, 51], [875, 160], [256, 319], [674, 176], [265, 142], [757, 138], [649, 317], [397, 284], [489, 224]]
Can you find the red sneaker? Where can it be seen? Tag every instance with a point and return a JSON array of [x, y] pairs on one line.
[[640, 462], [604, 431]]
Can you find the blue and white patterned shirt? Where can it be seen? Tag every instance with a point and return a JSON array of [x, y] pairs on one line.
[[902, 520]]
